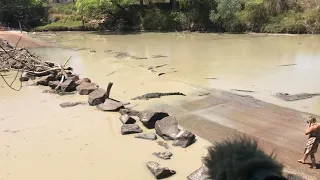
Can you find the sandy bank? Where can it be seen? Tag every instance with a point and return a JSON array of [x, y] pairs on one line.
[[13, 37]]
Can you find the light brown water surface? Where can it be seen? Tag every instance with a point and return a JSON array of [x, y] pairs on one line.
[[266, 64]]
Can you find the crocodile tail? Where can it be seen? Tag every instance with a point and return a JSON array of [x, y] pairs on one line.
[[138, 97], [174, 93]]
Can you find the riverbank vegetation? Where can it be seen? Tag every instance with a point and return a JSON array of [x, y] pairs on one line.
[[237, 16]]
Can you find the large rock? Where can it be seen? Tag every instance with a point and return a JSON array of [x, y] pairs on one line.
[[149, 117], [53, 84], [199, 174], [167, 128], [80, 81], [130, 129], [24, 77], [149, 136], [126, 119], [68, 86], [110, 105], [159, 172], [163, 155], [130, 112], [97, 97], [184, 139], [44, 81], [86, 88], [74, 77]]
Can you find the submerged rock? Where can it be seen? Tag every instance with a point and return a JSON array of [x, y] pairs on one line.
[[97, 97], [80, 81], [159, 172], [163, 144], [126, 119], [199, 174], [86, 88], [167, 128], [149, 117], [130, 129], [71, 104], [163, 155], [184, 139], [149, 136], [110, 105], [130, 112]]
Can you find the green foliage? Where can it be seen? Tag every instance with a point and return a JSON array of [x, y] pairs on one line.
[[157, 20], [28, 12], [61, 26]]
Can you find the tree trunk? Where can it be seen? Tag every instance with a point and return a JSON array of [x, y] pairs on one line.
[[173, 4], [141, 2]]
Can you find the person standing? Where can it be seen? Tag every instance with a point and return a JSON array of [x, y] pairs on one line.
[[313, 130]]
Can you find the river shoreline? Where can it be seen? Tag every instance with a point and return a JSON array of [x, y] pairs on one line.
[[210, 118]]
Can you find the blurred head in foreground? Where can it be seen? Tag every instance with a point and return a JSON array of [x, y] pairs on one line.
[[241, 159]]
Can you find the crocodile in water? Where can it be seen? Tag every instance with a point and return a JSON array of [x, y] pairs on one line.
[[295, 97], [156, 95]]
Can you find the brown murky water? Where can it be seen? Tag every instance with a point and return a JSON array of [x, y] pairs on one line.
[[40, 140], [266, 64]]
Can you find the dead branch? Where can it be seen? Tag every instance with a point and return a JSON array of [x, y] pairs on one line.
[[65, 63], [109, 90], [110, 73]]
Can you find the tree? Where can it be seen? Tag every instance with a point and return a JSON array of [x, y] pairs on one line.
[[29, 12]]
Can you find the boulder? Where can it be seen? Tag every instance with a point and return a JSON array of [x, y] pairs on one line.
[[53, 84], [163, 155], [78, 82], [126, 119], [110, 105], [130, 112], [44, 81], [149, 117], [68, 86], [199, 174], [159, 172], [86, 88], [167, 128], [74, 77], [130, 129], [184, 139], [149, 136], [24, 77], [97, 97]]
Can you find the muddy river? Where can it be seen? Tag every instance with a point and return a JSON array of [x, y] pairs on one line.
[[40, 140], [261, 63]]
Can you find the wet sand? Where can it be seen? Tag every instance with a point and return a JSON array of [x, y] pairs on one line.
[[215, 117]]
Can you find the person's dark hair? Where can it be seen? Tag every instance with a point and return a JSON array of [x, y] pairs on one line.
[[241, 159]]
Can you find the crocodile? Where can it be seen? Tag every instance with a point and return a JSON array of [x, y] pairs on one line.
[[295, 97], [156, 95]]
